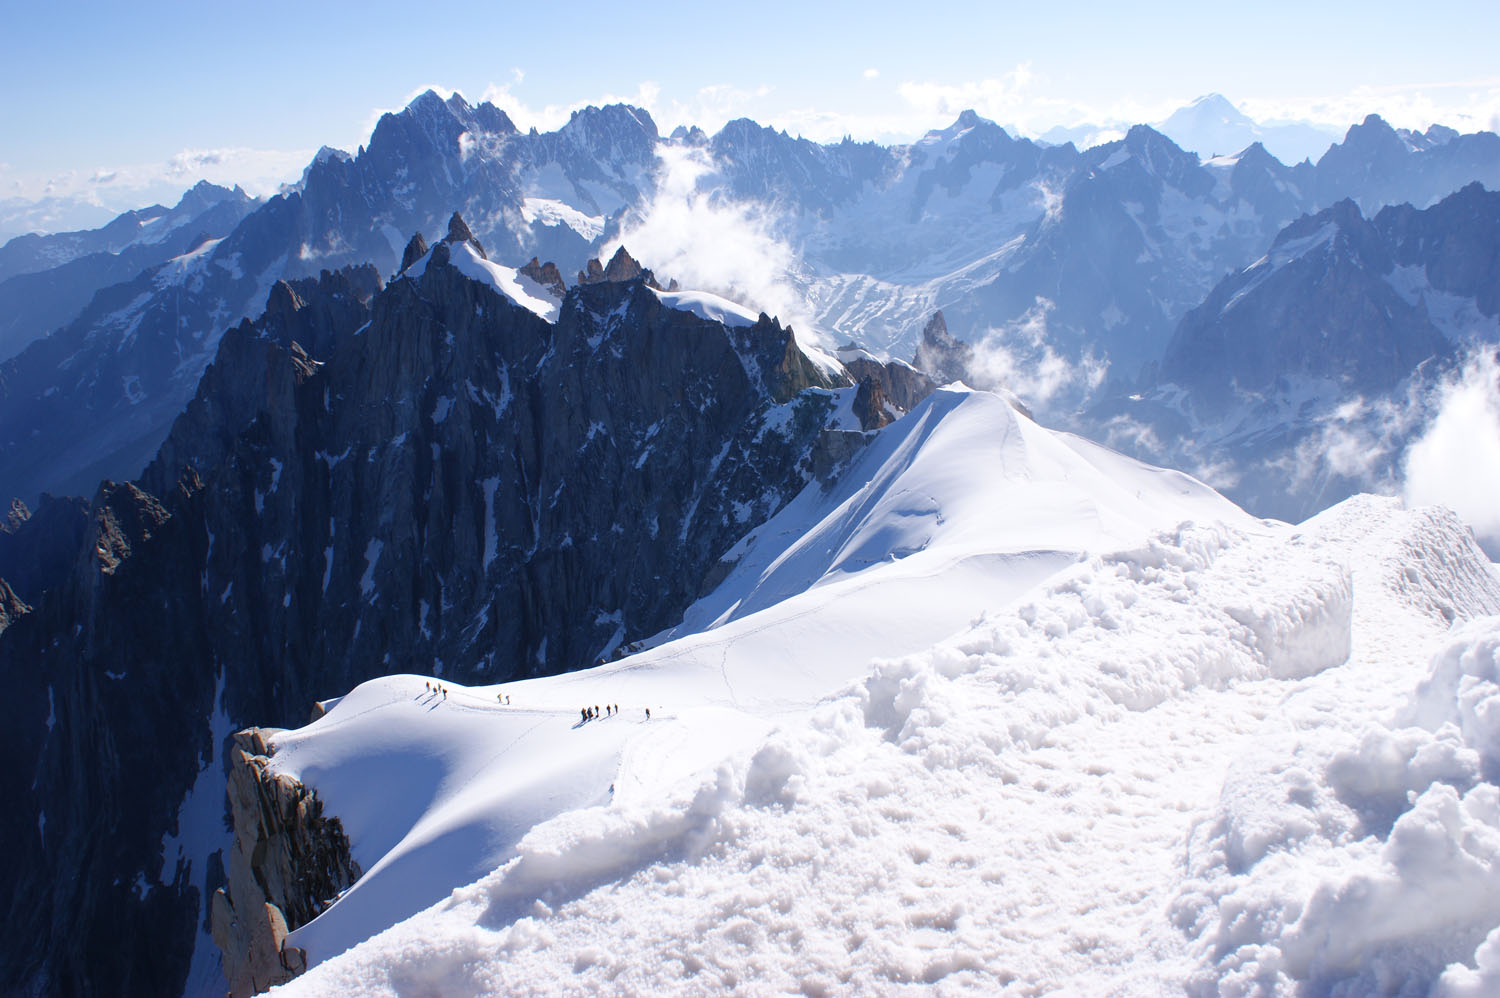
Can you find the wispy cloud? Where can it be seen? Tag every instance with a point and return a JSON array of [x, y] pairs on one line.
[[1456, 460], [1468, 105], [710, 243], [1019, 356], [89, 196], [709, 107]]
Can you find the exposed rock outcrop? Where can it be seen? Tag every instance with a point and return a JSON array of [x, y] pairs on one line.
[[547, 275], [290, 860], [942, 355], [11, 606], [901, 384], [421, 484], [621, 267], [416, 248], [871, 407], [458, 232]]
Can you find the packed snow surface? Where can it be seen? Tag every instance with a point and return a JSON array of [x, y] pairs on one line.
[[706, 305], [999, 711]]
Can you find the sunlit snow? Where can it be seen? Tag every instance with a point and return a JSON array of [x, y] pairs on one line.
[[999, 712]]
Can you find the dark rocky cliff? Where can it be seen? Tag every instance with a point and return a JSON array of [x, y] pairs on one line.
[[432, 478]]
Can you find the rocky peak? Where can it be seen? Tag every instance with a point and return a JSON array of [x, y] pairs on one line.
[[870, 405], [282, 302], [942, 355], [415, 250], [620, 128], [621, 267], [545, 274], [458, 232], [124, 517]]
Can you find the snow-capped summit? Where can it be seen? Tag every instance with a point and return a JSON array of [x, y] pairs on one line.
[[1211, 126]]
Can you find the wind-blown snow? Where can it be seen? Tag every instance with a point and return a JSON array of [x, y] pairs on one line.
[[988, 716], [708, 306]]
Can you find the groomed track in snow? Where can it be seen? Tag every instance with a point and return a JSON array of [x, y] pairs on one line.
[[1176, 762]]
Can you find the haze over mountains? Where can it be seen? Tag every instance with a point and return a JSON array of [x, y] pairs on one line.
[[422, 421]]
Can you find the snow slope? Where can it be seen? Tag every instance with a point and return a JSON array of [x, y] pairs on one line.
[[955, 510], [508, 282], [834, 796]]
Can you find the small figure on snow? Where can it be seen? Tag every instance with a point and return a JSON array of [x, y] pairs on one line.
[[648, 713]]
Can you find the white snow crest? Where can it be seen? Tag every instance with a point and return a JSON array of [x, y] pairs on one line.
[[871, 849], [1199, 612], [1358, 850]]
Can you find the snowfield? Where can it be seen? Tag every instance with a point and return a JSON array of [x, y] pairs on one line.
[[998, 712]]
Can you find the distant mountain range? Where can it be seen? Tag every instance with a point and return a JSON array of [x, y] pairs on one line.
[[376, 421], [1071, 268]]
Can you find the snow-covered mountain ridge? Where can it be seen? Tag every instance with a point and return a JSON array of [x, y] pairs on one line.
[[1005, 811], [429, 471], [445, 461], [1074, 266]]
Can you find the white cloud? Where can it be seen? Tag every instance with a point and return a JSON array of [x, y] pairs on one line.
[[871, 73], [709, 107], [1467, 105], [714, 244], [88, 197], [1456, 462], [1018, 356]]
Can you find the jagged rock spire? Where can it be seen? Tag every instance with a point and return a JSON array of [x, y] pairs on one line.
[[458, 232], [621, 267], [415, 250], [545, 274]]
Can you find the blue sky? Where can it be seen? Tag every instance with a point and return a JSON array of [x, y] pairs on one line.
[[102, 99]]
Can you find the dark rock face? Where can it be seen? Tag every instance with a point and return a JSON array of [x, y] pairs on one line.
[[1322, 303], [37, 549], [458, 232], [102, 677], [415, 250], [545, 274], [430, 476], [1285, 379], [1456, 244], [896, 383], [97, 397], [942, 355]]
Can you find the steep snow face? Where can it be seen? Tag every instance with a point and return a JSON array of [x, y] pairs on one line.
[[1009, 811], [952, 512]]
